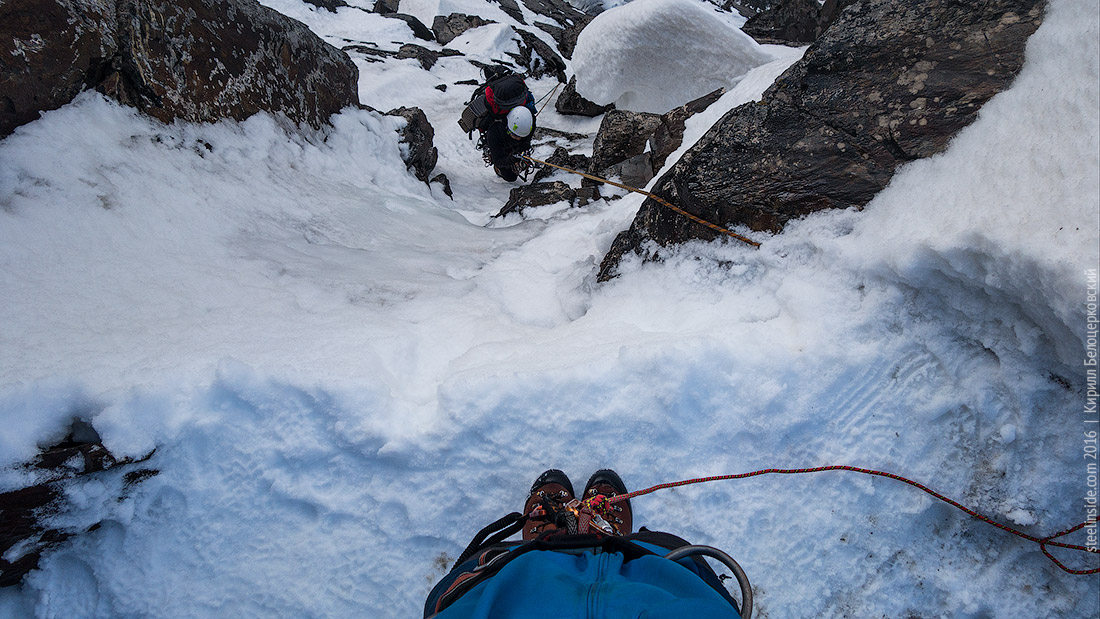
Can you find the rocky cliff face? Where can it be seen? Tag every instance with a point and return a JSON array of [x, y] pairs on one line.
[[197, 60], [888, 83]]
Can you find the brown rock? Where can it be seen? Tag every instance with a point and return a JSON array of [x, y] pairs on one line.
[[449, 28], [49, 52], [196, 60]]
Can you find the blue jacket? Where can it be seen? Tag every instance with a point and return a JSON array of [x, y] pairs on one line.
[[588, 583]]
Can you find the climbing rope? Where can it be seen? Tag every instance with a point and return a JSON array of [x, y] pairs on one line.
[[547, 97], [660, 200], [596, 506]]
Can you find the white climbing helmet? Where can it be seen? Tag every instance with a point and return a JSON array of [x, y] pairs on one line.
[[520, 121]]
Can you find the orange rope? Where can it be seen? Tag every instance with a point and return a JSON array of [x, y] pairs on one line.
[[1042, 541], [660, 200]]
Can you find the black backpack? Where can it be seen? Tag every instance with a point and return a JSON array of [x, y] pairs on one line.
[[503, 90]]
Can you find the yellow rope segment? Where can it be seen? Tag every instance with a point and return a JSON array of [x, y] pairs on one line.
[[660, 200]]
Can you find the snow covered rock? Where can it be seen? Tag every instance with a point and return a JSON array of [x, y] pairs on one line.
[[25, 530], [197, 60], [539, 58], [889, 83], [570, 21], [444, 183], [537, 194], [417, 148], [654, 55]]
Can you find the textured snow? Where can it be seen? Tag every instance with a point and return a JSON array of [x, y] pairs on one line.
[[345, 374], [654, 55]]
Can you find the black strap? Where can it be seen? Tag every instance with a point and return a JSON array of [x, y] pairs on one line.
[[502, 528]]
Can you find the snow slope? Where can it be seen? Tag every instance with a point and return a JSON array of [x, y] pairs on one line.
[[345, 374]]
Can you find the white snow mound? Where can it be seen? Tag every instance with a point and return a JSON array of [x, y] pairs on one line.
[[654, 55]]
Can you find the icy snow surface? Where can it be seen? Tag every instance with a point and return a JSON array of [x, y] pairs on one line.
[[345, 374], [654, 55]]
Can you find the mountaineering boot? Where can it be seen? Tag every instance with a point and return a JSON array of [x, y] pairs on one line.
[[608, 483], [554, 487]]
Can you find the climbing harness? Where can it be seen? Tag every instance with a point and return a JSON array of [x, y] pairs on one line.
[[523, 168], [659, 200], [1043, 542]]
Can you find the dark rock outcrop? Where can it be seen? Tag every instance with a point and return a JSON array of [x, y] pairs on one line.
[[568, 22], [196, 60], [635, 145], [793, 22], [328, 5], [23, 535], [448, 28], [511, 8], [669, 134], [385, 7], [546, 133], [420, 154], [622, 135], [426, 57], [563, 158], [418, 28], [536, 194], [747, 8], [539, 58], [635, 171], [49, 52], [890, 82], [570, 102]]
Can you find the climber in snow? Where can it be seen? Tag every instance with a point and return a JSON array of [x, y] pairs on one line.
[[580, 556], [503, 111]]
